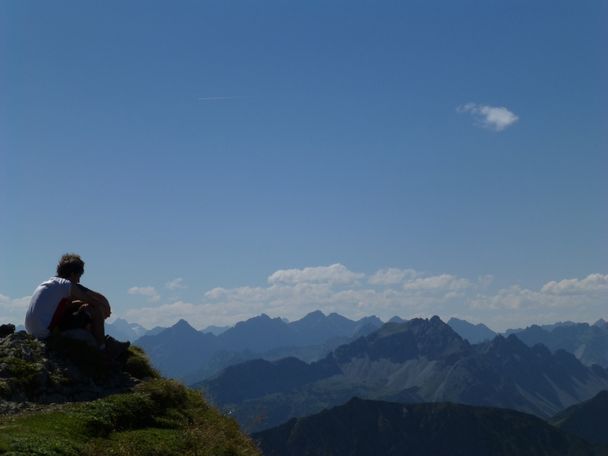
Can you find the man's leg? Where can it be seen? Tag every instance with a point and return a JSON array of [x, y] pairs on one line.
[[97, 326]]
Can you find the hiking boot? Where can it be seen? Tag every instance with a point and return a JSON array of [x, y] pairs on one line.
[[114, 348]]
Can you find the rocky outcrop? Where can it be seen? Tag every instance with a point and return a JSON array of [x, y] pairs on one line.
[[34, 373]]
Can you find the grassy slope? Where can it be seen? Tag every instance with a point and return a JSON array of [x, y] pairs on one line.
[[160, 417]]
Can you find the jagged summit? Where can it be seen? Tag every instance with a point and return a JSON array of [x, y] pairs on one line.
[[509, 344], [398, 342]]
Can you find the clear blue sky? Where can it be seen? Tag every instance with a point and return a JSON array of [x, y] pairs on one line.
[[222, 141]]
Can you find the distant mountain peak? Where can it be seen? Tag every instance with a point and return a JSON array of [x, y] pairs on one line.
[[601, 323], [183, 325], [262, 318], [509, 345], [474, 333], [314, 315], [398, 342]]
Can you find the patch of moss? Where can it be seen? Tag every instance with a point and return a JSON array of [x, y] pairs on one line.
[[19, 374]]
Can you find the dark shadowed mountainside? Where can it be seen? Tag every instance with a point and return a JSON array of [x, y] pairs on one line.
[[588, 419], [417, 361], [365, 427]]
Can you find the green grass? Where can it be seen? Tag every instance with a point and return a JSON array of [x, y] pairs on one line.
[[138, 365], [159, 417]]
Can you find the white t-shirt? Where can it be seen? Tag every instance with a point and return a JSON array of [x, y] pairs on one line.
[[43, 305]]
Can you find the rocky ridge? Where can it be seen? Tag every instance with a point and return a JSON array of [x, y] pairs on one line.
[[35, 373]]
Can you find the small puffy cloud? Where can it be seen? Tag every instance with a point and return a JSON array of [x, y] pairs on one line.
[[392, 276], [495, 118], [175, 284], [334, 274], [149, 292], [593, 283]]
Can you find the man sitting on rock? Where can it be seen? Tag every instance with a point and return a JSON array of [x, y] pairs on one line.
[[62, 305]]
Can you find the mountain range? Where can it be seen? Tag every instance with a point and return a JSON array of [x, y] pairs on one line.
[[416, 361], [589, 343], [317, 334], [183, 352]]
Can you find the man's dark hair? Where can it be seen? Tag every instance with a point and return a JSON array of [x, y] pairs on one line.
[[69, 263]]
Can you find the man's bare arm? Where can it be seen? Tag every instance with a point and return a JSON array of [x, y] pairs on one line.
[[91, 297]]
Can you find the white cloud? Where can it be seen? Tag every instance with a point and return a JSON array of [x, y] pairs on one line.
[[175, 284], [12, 304], [593, 283], [334, 274], [149, 292], [439, 283], [12, 310], [495, 118], [569, 299], [392, 276], [293, 293], [407, 293]]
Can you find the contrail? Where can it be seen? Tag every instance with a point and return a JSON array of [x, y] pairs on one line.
[[217, 98]]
